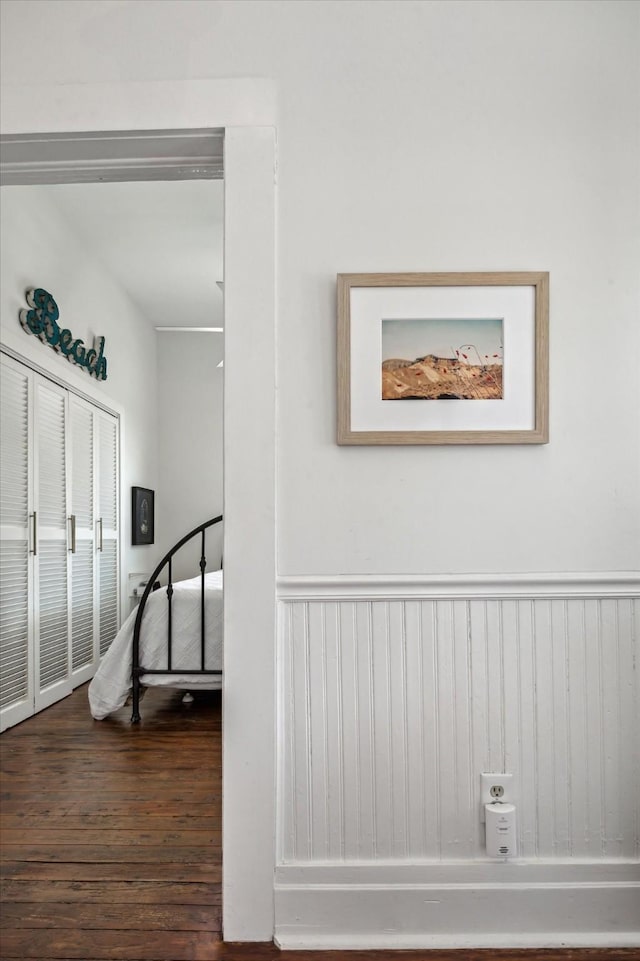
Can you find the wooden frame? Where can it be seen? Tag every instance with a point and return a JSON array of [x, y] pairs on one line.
[[513, 411], [142, 516]]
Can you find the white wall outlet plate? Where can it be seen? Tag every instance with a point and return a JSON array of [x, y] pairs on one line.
[[136, 584], [495, 787]]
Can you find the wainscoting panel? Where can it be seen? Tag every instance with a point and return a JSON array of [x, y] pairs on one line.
[[391, 706]]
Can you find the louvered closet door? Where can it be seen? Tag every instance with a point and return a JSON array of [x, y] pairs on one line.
[[82, 525], [52, 564], [16, 626], [107, 528]]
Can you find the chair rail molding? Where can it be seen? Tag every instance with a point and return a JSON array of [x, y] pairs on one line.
[[310, 587]]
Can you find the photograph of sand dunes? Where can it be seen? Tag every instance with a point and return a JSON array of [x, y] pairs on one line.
[[442, 359]]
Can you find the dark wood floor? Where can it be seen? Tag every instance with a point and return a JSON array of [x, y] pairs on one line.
[[110, 833], [111, 845]]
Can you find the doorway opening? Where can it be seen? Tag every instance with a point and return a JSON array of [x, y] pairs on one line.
[[249, 496], [136, 263]]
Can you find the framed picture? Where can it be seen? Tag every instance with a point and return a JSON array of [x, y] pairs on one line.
[[443, 358], [142, 521]]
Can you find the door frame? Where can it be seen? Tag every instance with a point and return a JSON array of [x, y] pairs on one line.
[[246, 110]]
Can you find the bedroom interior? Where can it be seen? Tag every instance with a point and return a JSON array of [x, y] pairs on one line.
[[400, 621], [156, 248], [148, 254]]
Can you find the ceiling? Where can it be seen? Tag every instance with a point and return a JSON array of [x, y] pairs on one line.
[[161, 240]]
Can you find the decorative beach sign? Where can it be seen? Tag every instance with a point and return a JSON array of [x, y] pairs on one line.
[[42, 320]]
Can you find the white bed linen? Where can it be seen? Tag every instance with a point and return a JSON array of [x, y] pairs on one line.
[[111, 685]]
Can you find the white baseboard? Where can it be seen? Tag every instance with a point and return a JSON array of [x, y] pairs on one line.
[[515, 905]]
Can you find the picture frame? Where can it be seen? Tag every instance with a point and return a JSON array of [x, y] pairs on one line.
[[142, 516], [402, 336]]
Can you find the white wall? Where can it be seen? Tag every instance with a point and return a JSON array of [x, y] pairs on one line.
[[190, 443], [433, 136], [456, 687], [428, 136], [39, 249], [394, 698]]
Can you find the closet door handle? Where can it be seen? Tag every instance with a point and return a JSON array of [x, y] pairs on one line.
[[72, 521], [34, 518], [100, 538]]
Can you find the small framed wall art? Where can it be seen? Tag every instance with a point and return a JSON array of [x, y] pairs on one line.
[[443, 358], [142, 519]]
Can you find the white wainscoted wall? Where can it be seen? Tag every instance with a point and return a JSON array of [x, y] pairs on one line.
[[394, 695]]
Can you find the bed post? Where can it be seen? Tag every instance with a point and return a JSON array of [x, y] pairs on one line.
[[135, 714], [135, 653], [137, 670]]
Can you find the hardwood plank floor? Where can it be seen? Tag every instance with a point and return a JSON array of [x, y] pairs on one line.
[[110, 841], [110, 834]]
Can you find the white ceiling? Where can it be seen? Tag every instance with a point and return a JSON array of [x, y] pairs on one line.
[[161, 240]]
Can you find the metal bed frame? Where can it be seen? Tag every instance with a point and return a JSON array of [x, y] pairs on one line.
[[137, 669]]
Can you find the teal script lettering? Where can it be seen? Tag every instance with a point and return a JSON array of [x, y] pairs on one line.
[[42, 321]]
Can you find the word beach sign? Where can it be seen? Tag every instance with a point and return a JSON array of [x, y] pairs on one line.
[[42, 320]]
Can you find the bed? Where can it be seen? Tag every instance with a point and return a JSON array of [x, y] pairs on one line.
[[173, 638]]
